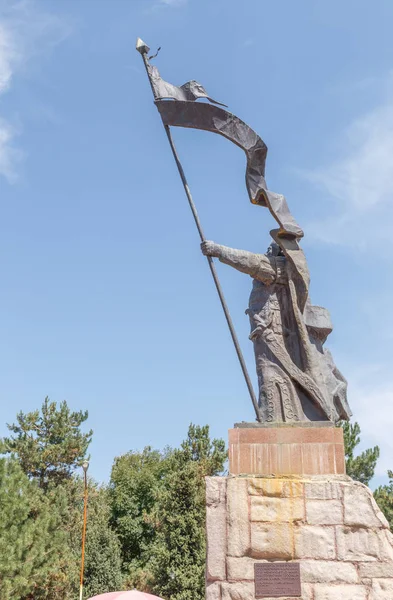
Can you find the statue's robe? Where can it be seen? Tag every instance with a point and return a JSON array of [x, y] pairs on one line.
[[270, 312]]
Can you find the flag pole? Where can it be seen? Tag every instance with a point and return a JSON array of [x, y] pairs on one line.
[[143, 49]]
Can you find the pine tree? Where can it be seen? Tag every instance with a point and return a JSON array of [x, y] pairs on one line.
[[210, 454], [30, 534], [49, 444], [47, 447], [384, 497], [361, 467]]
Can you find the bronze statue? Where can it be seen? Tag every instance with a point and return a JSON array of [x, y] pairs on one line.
[[298, 380]]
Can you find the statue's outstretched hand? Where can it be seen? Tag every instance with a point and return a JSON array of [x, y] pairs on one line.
[[209, 248]]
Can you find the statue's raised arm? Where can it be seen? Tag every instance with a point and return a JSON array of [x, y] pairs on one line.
[[258, 266]]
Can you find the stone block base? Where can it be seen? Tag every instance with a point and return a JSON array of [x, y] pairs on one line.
[[330, 525], [286, 451]]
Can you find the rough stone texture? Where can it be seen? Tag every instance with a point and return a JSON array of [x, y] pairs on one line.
[[277, 509], [341, 592], [382, 589], [326, 571], [329, 524], [213, 591], [237, 591], [275, 488], [360, 544], [324, 512], [272, 540], [307, 591], [216, 489], [216, 524], [375, 570], [240, 568], [360, 508], [238, 521], [323, 490], [315, 542], [286, 451]]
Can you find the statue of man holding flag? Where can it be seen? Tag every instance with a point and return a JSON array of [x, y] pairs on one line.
[[298, 380]]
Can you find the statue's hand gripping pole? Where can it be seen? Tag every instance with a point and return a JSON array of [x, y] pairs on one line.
[[143, 49]]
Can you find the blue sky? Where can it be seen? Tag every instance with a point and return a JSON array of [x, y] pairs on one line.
[[105, 298]]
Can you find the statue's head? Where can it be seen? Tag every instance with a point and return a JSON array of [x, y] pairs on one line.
[[274, 250]]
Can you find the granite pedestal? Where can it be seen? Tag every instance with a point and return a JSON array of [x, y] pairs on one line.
[[315, 516]]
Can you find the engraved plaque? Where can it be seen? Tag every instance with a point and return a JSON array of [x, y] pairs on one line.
[[275, 580]]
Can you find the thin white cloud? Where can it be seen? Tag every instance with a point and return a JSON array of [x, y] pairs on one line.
[[158, 7], [25, 32], [8, 58], [9, 154], [358, 186], [173, 3]]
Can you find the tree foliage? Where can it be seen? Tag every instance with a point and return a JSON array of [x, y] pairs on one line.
[[360, 467], [31, 537], [103, 567], [146, 530], [47, 447], [49, 443], [179, 550], [178, 558], [384, 497], [135, 482], [158, 504]]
